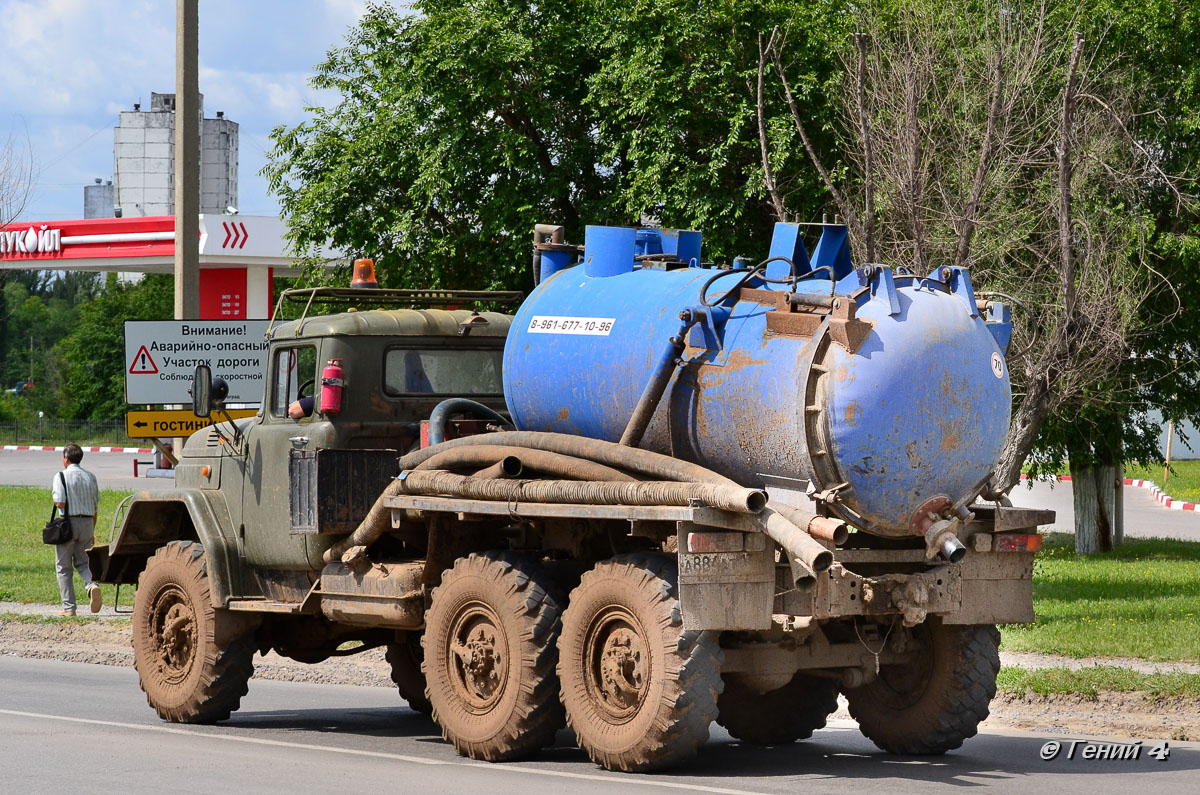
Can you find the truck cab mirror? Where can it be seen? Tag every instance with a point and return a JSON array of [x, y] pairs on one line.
[[207, 394]]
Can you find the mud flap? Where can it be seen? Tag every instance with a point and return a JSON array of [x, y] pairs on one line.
[[726, 579]]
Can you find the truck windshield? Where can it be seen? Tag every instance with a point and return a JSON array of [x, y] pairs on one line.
[[442, 372]]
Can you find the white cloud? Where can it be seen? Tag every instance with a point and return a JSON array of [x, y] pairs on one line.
[[68, 67]]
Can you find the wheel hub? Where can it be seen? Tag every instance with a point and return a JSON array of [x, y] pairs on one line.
[[478, 659], [176, 636], [620, 666]]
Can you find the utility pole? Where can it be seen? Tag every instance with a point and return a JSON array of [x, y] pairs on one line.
[[187, 161]]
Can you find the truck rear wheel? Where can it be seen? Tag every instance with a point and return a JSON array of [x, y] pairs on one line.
[[405, 657], [639, 690], [188, 676], [792, 712], [934, 703], [490, 653]]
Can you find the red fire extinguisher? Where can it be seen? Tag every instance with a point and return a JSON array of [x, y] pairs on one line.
[[331, 387]]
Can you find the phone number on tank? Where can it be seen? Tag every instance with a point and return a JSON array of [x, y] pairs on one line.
[[555, 324]]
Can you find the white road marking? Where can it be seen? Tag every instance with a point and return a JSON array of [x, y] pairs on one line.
[[419, 760]]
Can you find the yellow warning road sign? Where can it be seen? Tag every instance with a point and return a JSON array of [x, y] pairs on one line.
[[179, 422]]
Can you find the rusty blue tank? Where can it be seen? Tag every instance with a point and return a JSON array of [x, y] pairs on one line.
[[883, 393]]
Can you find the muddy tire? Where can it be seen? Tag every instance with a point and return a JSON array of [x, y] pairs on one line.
[[639, 690], [933, 704], [188, 676], [405, 658], [792, 712], [490, 655]]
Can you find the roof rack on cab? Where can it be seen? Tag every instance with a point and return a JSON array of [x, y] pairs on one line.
[[384, 297]]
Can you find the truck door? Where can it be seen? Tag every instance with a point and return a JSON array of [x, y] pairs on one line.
[[292, 375]]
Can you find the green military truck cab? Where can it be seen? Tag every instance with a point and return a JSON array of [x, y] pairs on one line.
[[237, 545]]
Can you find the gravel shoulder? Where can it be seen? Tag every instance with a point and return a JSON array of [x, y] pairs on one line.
[[105, 641]]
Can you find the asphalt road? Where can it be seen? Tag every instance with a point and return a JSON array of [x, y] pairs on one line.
[[112, 470], [1145, 517], [77, 727]]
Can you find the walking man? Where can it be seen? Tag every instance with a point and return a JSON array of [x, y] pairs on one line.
[[80, 497]]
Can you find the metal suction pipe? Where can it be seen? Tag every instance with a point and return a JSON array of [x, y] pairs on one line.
[[804, 552], [664, 368], [832, 530], [953, 549]]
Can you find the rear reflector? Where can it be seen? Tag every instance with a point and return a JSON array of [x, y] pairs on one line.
[[1017, 542]]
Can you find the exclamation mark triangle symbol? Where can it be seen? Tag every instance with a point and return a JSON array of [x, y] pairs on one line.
[[143, 363]]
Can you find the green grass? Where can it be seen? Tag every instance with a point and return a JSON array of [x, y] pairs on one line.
[[1183, 484], [26, 564], [1141, 600], [1088, 682]]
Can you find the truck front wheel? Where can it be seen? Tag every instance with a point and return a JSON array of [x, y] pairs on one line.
[[639, 690], [405, 657], [189, 671], [933, 703], [792, 712], [489, 642]]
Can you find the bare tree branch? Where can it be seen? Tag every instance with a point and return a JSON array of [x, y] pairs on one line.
[[912, 143], [844, 207], [1169, 181], [768, 179], [984, 167], [864, 126], [17, 175], [1065, 168]]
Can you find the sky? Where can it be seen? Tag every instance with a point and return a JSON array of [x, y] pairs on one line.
[[68, 67]]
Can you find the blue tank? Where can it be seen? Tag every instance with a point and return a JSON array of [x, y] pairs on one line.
[[887, 394]]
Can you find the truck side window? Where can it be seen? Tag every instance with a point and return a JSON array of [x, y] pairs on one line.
[[442, 371], [294, 374]]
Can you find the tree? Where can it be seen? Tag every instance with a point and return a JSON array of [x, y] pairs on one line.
[[91, 358], [1100, 429], [460, 127], [1003, 142], [676, 102], [16, 183]]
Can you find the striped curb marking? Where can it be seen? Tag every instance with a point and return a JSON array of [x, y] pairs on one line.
[[1155, 492], [45, 448]]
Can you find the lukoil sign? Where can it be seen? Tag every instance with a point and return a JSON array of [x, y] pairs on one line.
[[41, 240]]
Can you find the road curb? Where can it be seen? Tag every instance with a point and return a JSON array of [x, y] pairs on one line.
[[51, 448], [1158, 494], [1163, 498]]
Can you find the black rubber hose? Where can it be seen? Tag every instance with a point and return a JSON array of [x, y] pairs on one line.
[[444, 410], [642, 462]]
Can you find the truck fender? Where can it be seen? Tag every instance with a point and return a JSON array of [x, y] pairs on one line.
[[153, 520]]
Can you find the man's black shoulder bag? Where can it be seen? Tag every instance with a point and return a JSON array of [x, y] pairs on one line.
[[58, 531]]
